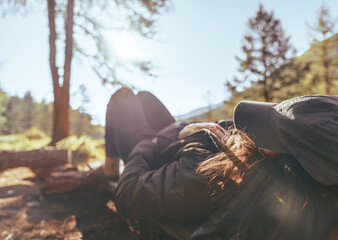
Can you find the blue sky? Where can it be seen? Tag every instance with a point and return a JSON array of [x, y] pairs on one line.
[[196, 52]]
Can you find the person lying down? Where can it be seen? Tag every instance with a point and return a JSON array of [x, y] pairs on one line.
[[271, 173]]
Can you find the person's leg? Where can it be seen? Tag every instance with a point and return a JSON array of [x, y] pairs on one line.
[[111, 165], [129, 119], [157, 115], [126, 123]]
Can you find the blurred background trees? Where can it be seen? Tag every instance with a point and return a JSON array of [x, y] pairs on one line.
[[13, 116], [326, 64], [19, 115]]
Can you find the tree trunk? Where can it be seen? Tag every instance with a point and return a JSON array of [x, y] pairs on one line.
[[52, 44], [266, 92], [69, 23], [61, 124], [327, 82], [60, 116], [266, 95]]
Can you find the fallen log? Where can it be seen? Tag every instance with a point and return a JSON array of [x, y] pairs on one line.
[[41, 161], [64, 181], [59, 182]]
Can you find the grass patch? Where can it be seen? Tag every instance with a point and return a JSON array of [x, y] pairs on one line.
[[32, 140], [84, 148]]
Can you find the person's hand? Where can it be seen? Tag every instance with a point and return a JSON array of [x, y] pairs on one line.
[[195, 127]]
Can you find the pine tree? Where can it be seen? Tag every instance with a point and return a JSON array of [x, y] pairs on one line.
[[265, 49], [323, 28]]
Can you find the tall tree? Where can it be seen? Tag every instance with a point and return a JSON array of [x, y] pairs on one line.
[[87, 19], [323, 28], [60, 86], [265, 49]]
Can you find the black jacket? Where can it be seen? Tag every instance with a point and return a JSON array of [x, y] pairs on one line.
[[159, 183]]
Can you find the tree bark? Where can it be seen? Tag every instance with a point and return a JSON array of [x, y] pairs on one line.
[[52, 44], [69, 24], [266, 92], [38, 160], [53, 67], [61, 124]]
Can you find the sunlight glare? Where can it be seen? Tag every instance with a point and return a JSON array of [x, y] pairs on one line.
[[126, 46]]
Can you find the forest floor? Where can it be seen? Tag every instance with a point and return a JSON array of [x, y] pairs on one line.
[[87, 213]]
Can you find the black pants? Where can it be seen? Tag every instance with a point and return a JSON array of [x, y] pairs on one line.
[[131, 118]]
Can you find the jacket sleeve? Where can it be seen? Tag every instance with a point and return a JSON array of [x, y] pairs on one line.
[[173, 191], [168, 135]]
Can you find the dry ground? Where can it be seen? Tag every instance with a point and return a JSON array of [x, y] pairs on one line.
[[25, 213]]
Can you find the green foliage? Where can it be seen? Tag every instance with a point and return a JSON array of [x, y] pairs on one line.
[[43, 117], [80, 122], [322, 77], [324, 64], [84, 148], [35, 134], [324, 24], [22, 142]]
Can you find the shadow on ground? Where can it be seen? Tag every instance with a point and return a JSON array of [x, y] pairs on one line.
[[79, 214]]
